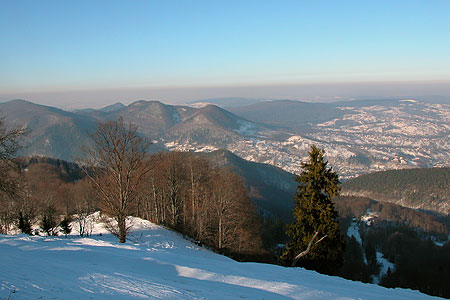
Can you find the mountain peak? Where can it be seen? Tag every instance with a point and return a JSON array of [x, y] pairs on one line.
[[112, 107], [146, 103]]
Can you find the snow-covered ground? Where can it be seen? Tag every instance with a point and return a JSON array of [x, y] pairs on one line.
[[157, 263], [385, 266], [353, 230]]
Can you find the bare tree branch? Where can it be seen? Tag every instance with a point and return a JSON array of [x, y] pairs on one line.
[[308, 249]]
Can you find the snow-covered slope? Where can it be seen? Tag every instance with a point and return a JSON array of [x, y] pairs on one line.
[[157, 263]]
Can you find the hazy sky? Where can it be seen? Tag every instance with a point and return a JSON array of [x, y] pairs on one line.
[[98, 50]]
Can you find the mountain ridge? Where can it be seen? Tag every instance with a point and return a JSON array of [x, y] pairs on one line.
[[358, 137]]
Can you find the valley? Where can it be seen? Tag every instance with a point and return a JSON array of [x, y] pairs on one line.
[[367, 137]]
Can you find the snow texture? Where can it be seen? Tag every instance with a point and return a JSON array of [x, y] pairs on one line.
[[157, 263], [385, 265], [353, 230]]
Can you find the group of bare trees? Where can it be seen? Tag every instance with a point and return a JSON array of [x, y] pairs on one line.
[[184, 192], [10, 178], [44, 197], [178, 190]]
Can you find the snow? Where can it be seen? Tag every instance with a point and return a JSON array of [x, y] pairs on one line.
[[353, 230], [369, 217], [440, 243], [157, 263], [245, 128], [385, 265]]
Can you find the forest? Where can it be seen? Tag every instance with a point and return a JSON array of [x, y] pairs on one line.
[[424, 188], [414, 241]]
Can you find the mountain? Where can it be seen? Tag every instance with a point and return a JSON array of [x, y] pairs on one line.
[[153, 117], [51, 132], [294, 115], [271, 188], [225, 102], [112, 107], [423, 188], [157, 263], [61, 134], [359, 137], [212, 125]]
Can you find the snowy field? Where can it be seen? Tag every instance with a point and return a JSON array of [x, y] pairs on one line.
[[157, 263]]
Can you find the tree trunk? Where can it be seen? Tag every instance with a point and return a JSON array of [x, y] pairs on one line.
[[122, 229], [220, 234]]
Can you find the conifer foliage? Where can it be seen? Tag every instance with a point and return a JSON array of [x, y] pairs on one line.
[[314, 212], [66, 228]]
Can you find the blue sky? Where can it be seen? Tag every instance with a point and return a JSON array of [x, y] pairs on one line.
[[55, 46]]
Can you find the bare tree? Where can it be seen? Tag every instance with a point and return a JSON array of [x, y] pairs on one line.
[[308, 249], [119, 155], [85, 203], [227, 204], [9, 173]]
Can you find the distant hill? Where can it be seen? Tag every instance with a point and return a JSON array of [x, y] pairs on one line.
[[426, 188], [369, 102], [386, 212], [294, 115], [358, 136], [153, 117], [62, 134], [225, 102], [64, 170], [212, 125], [112, 107], [271, 188], [51, 132]]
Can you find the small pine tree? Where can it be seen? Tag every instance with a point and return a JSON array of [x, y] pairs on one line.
[[66, 228], [24, 224], [48, 221], [314, 212]]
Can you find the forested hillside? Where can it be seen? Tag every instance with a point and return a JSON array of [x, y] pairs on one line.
[[271, 188], [356, 207], [427, 188]]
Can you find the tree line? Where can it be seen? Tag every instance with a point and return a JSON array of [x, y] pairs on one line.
[[355, 206], [178, 190], [428, 188]]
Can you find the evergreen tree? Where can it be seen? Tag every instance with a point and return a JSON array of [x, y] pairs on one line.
[[48, 221], [24, 224], [314, 212], [66, 228]]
